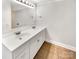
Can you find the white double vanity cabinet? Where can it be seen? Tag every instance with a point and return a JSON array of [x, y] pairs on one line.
[[27, 43], [25, 46]]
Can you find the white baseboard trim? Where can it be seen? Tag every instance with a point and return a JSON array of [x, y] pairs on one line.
[[63, 45]]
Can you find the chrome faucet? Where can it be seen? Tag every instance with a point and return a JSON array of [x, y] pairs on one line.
[[18, 33]]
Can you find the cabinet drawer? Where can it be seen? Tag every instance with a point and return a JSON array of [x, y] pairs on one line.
[[20, 49]]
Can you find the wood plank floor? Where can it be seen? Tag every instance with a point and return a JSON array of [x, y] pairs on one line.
[[50, 51]]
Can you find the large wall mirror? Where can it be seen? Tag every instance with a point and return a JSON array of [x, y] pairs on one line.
[[21, 15], [16, 15]]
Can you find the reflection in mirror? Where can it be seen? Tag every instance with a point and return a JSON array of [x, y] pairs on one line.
[[23, 16], [17, 15]]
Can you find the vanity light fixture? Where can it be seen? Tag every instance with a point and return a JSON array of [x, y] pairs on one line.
[[25, 3]]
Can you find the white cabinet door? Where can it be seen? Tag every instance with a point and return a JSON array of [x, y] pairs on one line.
[[24, 54], [35, 44], [33, 48], [40, 39]]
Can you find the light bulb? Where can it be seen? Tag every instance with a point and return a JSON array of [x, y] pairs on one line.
[[26, 2], [23, 0]]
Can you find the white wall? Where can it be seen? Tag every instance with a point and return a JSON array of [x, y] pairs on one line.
[[6, 16], [59, 16]]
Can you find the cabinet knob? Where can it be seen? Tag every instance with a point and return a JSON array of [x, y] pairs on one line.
[[20, 38], [37, 40]]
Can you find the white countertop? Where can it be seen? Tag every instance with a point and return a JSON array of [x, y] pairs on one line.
[[12, 41]]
